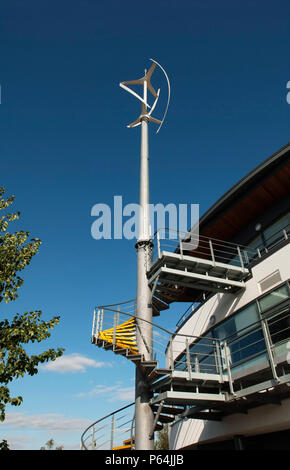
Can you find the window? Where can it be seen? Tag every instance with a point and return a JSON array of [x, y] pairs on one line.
[[273, 298], [238, 324], [269, 237], [226, 329], [243, 334], [202, 356], [272, 234], [246, 346], [279, 326]]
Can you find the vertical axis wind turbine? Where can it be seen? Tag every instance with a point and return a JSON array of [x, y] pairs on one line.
[[144, 423]]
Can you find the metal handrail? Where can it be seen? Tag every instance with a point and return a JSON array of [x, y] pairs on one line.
[[173, 334], [249, 252], [199, 237], [204, 247], [91, 426], [218, 361], [171, 346], [166, 345], [283, 232]]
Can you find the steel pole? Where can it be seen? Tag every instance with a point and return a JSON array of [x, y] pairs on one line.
[[143, 412]]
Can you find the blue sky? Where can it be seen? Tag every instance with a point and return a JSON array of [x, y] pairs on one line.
[[65, 147]]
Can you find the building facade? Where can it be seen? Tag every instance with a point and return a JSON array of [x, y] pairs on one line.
[[242, 334]]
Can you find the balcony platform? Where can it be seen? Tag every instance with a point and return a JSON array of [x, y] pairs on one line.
[[176, 379], [198, 273], [189, 398]]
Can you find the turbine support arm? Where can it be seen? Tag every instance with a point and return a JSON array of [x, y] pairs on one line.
[[145, 81]]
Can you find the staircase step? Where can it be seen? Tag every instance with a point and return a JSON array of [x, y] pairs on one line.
[[206, 415], [125, 447], [135, 357], [158, 373], [149, 366], [155, 312], [159, 303], [128, 441], [166, 294], [162, 383], [163, 418], [170, 410], [122, 352]]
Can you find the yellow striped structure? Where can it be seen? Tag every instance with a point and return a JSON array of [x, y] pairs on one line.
[[126, 445], [124, 336]]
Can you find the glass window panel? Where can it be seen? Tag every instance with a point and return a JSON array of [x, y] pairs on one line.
[[181, 364], [208, 364], [226, 329], [247, 346], [256, 243], [279, 327], [246, 317], [202, 356], [243, 334], [270, 236], [203, 346], [273, 233], [274, 298], [232, 326]]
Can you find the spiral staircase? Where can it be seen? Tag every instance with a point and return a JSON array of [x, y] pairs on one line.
[[188, 272]]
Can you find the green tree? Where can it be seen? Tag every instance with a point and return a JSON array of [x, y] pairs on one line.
[[4, 445], [49, 446], [16, 253], [162, 441]]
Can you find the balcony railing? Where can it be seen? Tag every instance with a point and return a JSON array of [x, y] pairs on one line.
[[269, 243], [108, 329], [264, 340], [260, 341], [199, 246], [217, 250], [113, 431], [253, 254]]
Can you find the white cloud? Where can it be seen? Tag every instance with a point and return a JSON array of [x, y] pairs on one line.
[[112, 392], [124, 394], [73, 363], [16, 442], [49, 422]]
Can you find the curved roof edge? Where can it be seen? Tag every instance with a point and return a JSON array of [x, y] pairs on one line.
[[243, 185]]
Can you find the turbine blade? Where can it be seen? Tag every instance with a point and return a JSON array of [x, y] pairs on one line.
[[157, 121], [150, 87], [151, 70], [135, 123], [133, 82]]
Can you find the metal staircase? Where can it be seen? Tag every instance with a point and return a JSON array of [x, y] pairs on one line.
[[186, 382], [172, 390]]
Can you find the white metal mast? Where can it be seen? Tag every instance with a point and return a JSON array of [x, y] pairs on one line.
[[143, 412]]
